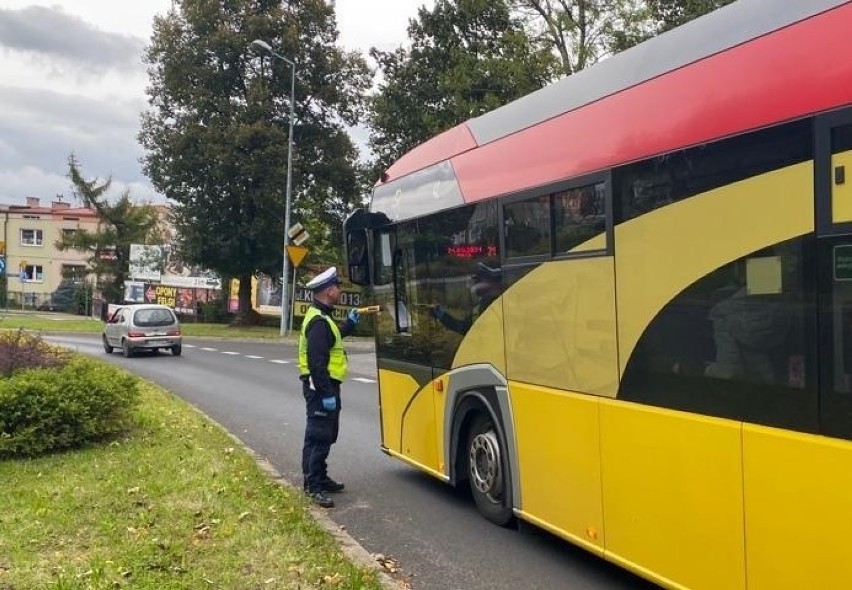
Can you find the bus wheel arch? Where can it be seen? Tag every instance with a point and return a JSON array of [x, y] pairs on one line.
[[480, 458]]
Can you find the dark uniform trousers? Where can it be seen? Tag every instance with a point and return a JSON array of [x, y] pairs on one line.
[[320, 433]]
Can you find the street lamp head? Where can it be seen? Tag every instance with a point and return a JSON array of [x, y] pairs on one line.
[[262, 44]]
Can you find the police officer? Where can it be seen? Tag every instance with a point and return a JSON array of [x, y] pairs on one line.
[[322, 367]]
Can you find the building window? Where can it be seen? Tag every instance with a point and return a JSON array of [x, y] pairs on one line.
[[34, 273], [67, 233], [31, 237], [74, 271]]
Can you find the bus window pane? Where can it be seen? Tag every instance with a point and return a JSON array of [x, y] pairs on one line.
[[841, 328], [659, 181], [841, 139], [738, 343], [578, 215], [460, 249], [527, 226], [835, 296]]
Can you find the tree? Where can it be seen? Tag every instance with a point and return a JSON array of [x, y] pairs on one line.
[[582, 32], [122, 223], [669, 14], [467, 57], [216, 134]]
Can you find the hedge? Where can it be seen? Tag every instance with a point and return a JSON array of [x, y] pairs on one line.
[[50, 409]]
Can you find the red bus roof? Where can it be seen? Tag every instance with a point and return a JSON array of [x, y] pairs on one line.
[[752, 64]]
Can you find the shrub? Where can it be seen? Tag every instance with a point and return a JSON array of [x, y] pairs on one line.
[[214, 311], [50, 409], [20, 350]]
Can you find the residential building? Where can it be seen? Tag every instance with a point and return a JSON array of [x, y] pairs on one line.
[[34, 265]]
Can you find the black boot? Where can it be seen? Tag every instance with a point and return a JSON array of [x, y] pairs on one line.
[[321, 500], [331, 486]]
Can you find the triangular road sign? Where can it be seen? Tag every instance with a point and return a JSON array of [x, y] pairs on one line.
[[297, 254]]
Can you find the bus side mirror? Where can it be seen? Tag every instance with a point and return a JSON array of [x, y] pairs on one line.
[[357, 257]]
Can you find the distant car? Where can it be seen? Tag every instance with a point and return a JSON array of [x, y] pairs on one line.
[[142, 327]]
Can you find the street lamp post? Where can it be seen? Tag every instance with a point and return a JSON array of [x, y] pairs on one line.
[[285, 279]]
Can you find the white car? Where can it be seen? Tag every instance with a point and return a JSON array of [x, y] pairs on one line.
[[142, 327]]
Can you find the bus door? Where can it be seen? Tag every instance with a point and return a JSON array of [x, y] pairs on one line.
[[833, 185], [402, 348]]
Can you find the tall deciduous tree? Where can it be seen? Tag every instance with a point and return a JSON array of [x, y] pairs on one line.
[[466, 58], [669, 14], [582, 32], [216, 134], [121, 223]]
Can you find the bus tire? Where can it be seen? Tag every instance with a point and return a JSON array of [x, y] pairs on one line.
[[487, 471]]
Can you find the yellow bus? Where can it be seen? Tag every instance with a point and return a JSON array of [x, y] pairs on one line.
[[620, 308]]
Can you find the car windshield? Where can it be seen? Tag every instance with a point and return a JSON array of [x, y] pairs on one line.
[[153, 317]]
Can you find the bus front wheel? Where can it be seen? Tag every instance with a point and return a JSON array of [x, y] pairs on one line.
[[488, 473]]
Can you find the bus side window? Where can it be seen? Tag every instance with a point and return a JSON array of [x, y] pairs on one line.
[[527, 227], [579, 214]]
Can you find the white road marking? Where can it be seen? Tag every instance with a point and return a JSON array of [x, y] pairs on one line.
[[253, 356], [209, 349], [279, 361], [363, 380], [230, 352], [189, 346]]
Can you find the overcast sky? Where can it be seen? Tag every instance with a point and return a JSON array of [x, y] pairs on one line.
[[73, 81]]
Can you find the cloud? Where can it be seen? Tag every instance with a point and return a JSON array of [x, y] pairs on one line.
[[70, 88], [41, 128], [56, 35], [31, 181]]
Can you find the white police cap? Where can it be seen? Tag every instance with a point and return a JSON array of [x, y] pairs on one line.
[[325, 279]]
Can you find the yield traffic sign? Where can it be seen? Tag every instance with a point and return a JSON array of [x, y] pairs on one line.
[[297, 254]]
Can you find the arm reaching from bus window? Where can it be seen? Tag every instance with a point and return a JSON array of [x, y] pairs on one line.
[[486, 287], [456, 325]]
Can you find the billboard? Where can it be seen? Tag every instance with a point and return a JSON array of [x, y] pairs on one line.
[[184, 300], [160, 263], [146, 262]]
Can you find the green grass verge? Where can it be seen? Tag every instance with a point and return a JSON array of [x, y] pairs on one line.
[[176, 504], [43, 322]]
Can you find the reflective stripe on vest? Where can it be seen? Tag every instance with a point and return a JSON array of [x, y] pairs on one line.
[[338, 364]]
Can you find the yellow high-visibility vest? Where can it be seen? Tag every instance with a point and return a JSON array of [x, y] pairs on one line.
[[338, 364]]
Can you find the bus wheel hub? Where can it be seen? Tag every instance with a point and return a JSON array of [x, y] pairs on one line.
[[485, 464]]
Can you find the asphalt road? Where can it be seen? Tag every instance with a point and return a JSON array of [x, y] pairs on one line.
[[433, 532]]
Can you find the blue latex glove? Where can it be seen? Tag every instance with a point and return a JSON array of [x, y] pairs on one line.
[[437, 312], [329, 403], [353, 316]]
